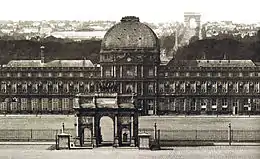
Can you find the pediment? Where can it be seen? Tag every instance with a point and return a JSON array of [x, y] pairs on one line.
[[129, 60]]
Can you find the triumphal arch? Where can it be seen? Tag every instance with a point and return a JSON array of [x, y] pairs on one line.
[[90, 108]]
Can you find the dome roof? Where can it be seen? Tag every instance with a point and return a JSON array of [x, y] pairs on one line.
[[130, 33]]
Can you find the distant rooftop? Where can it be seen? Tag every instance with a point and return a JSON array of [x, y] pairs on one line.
[[212, 63], [54, 63]]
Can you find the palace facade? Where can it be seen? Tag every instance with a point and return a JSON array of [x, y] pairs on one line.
[[130, 64]]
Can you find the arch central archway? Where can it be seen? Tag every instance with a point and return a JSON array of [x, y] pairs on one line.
[[107, 130]]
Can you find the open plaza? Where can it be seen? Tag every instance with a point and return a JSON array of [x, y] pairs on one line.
[[216, 152]]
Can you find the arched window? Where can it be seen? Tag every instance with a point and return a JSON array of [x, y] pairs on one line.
[[3, 87], [161, 87], [129, 88], [35, 88], [24, 87], [45, 88], [150, 88], [55, 88]]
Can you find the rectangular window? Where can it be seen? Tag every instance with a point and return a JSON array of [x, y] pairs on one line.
[[130, 71], [107, 73], [161, 104], [65, 103], [23, 103], [193, 104], [3, 106], [257, 104], [34, 103], [203, 104], [150, 105], [214, 101], [235, 103], [172, 104], [151, 72], [224, 103], [45, 103], [55, 104], [214, 104], [13, 105]]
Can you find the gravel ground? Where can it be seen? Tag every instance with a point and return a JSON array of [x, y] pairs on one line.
[[214, 152], [163, 122]]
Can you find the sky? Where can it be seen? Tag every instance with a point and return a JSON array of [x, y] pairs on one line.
[[246, 11]]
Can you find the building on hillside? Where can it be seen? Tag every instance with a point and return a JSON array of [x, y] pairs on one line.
[[130, 64]]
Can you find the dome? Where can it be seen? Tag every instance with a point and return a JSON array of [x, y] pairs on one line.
[[130, 33]]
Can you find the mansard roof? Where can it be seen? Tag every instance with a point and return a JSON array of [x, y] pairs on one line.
[[54, 63], [211, 63]]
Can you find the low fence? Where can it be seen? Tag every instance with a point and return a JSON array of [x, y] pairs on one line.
[[205, 135], [162, 135], [32, 134]]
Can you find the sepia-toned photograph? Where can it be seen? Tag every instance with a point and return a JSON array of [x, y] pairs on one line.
[[130, 79]]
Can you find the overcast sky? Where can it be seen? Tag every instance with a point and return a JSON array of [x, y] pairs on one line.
[[147, 10]]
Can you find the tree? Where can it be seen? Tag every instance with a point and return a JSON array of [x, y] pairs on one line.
[[258, 35], [193, 39]]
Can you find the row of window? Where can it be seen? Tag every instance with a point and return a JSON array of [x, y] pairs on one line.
[[50, 74], [212, 74], [205, 87], [45, 88], [127, 71], [205, 104], [128, 88], [131, 71], [36, 104]]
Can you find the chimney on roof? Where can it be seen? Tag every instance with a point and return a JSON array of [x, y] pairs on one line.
[[84, 61], [225, 56], [42, 54], [204, 56]]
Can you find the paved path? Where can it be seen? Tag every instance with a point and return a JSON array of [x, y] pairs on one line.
[[27, 143], [213, 152]]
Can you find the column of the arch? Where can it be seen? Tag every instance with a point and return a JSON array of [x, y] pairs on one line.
[[80, 130], [94, 139], [116, 144], [132, 138]]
